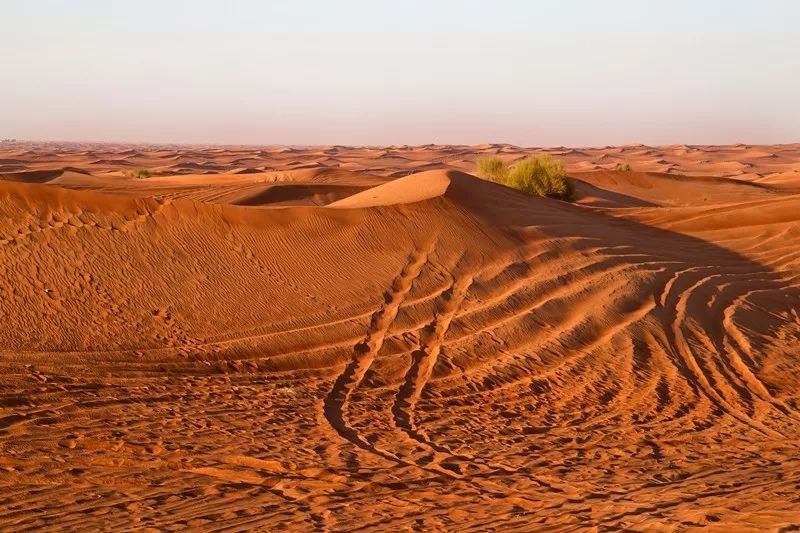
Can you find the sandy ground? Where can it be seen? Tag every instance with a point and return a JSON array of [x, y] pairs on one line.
[[366, 339]]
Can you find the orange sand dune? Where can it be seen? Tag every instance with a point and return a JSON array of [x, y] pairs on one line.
[[369, 347]]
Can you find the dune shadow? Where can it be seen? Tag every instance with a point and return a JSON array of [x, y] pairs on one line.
[[298, 193], [607, 198]]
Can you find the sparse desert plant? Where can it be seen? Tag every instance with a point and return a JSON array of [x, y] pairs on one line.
[[623, 167], [538, 175], [541, 176], [140, 173], [493, 169]]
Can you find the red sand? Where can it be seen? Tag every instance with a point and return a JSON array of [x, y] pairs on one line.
[[278, 338]]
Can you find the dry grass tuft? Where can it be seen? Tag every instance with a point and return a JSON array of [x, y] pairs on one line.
[[537, 175], [141, 173], [492, 169]]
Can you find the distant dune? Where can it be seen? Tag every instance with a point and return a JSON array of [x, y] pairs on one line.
[[245, 339]]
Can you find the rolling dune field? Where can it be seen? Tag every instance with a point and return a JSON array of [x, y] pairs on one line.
[[371, 338]]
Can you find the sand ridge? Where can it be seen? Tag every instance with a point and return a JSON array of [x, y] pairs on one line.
[[365, 338]]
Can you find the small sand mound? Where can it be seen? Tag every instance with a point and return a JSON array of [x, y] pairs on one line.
[[414, 188]]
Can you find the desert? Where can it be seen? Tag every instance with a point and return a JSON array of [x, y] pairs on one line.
[[369, 338]]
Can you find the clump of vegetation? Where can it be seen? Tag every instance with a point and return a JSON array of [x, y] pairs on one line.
[[542, 176], [538, 175], [493, 169], [141, 173], [623, 167]]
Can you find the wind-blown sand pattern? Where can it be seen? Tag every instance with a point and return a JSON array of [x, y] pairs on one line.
[[356, 339]]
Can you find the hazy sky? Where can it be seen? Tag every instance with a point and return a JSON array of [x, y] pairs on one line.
[[560, 72]]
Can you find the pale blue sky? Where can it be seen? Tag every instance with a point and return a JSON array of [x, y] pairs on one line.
[[563, 72]]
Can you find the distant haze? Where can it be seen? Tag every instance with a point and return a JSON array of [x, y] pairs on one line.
[[376, 72]]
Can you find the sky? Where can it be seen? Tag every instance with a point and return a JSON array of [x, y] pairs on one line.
[[303, 72]]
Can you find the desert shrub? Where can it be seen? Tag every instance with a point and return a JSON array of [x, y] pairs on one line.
[[492, 169], [140, 173], [538, 175], [542, 176], [623, 167]]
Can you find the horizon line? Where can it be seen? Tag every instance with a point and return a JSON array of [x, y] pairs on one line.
[[12, 140]]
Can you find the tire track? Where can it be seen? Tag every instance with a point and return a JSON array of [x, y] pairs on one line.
[[740, 352], [364, 353], [423, 361], [691, 365]]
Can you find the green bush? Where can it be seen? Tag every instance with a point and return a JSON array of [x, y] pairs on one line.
[[538, 175], [492, 169], [623, 167], [141, 173]]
